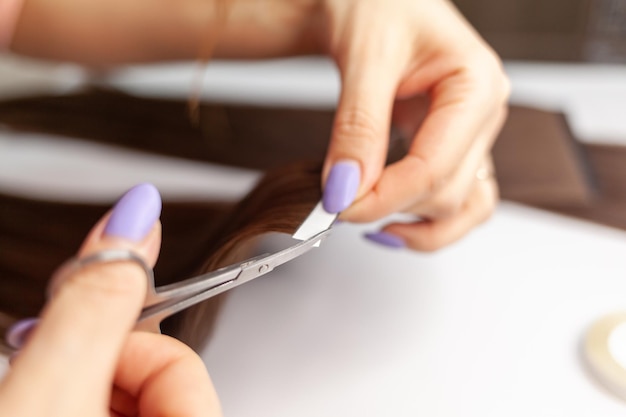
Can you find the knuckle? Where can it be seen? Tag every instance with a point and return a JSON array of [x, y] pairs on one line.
[[499, 86], [431, 176], [487, 71], [357, 125], [505, 87]]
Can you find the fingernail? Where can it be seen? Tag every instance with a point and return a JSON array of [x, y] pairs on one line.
[[341, 186], [135, 213], [386, 239], [18, 333]]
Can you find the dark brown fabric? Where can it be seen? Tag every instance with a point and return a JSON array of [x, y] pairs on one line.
[[245, 136], [560, 30], [252, 137], [538, 162], [609, 206]]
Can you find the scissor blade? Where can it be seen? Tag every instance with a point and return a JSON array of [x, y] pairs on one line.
[[315, 223], [177, 297], [264, 264]]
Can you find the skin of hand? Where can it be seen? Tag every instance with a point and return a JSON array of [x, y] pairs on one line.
[[102, 34], [83, 359], [417, 63]]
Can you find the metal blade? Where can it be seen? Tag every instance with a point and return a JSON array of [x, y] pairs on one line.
[[315, 223]]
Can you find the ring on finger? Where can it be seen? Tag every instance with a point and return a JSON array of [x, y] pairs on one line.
[[484, 173], [104, 256]]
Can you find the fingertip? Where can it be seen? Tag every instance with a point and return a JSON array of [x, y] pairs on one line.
[[342, 185], [386, 239], [17, 335], [171, 380], [150, 247], [132, 223], [96, 298], [135, 213]]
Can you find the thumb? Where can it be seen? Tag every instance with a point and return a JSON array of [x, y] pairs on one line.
[[360, 136], [75, 348]]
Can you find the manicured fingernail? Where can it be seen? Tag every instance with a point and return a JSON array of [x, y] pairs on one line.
[[18, 333], [341, 186], [135, 213], [386, 239]]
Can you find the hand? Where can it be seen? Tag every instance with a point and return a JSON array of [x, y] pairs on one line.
[[392, 56], [82, 359], [390, 53]]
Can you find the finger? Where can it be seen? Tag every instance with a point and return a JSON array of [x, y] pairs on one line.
[[461, 105], [452, 194], [370, 69], [122, 403], [169, 381], [84, 325], [451, 198], [429, 236]]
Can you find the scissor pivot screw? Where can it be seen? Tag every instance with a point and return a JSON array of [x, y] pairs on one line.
[[264, 268]]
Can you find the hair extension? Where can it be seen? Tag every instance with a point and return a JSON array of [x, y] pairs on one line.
[[279, 203], [36, 236]]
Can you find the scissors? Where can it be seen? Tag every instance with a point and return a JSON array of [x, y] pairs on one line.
[[162, 302]]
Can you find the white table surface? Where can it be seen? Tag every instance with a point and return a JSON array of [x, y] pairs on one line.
[[488, 327]]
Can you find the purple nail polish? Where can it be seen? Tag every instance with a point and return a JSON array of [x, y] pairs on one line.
[[341, 186], [386, 239], [135, 213], [18, 333]]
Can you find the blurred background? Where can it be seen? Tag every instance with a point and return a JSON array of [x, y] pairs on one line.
[[558, 30]]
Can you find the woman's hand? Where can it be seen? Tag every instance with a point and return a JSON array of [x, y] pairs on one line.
[[82, 359], [420, 63], [416, 62]]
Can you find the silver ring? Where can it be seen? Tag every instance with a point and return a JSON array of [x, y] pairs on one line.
[[484, 173], [75, 264]]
